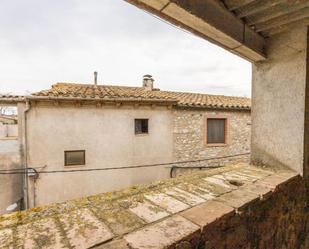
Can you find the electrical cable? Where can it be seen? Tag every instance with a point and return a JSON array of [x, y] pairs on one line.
[[22, 171]]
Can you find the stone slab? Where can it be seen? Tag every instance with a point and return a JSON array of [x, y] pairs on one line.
[[185, 196], [220, 181], [207, 213], [117, 244], [254, 171], [201, 190], [148, 212], [6, 239], [238, 198], [167, 202], [250, 176], [163, 234], [261, 190], [83, 229], [274, 181], [239, 177], [120, 220], [8, 220], [43, 234], [205, 194]]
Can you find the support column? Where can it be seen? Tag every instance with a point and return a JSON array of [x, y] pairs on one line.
[[278, 103]]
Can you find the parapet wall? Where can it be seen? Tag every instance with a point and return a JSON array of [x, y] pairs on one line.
[[238, 206]]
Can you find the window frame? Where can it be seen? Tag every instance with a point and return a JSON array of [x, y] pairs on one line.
[[141, 133], [69, 165], [226, 131]]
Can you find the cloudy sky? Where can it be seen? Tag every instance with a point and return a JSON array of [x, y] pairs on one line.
[[43, 42]]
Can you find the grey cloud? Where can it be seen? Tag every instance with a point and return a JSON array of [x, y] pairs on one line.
[[43, 41]]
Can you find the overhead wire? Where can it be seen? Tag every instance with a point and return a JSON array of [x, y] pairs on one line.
[[22, 171]]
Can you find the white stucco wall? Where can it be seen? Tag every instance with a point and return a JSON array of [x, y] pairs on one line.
[[107, 135], [8, 131], [10, 185], [278, 100]]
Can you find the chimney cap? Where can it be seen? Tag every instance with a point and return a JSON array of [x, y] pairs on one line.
[[95, 77], [147, 76]]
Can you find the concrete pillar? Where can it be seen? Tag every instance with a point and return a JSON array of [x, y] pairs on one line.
[[278, 102]]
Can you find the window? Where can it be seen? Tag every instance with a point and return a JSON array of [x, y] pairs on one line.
[[141, 126], [74, 157], [216, 131]]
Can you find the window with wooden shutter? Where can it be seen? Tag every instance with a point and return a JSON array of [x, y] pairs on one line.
[[216, 131], [141, 126]]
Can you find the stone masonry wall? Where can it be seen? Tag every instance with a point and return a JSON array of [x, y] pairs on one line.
[[190, 134], [281, 221]]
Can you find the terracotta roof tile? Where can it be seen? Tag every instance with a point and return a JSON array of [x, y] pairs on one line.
[[8, 98], [109, 92]]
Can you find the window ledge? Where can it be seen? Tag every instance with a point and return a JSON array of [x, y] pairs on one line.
[[216, 145], [142, 134]]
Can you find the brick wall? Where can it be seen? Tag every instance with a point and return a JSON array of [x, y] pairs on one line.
[[190, 131]]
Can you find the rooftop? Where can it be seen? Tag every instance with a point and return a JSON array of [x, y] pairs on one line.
[[108, 92], [11, 99], [146, 216]]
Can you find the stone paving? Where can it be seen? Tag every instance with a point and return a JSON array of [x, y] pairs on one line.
[[157, 215]]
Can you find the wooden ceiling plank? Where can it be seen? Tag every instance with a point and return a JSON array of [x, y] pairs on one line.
[[235, 4], [300, 23], [257, 7], [276, 11], [282, 20]]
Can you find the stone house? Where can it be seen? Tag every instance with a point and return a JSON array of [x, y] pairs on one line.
[[80, 127]]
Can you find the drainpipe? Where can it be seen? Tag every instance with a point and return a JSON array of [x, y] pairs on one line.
[[25, 158]]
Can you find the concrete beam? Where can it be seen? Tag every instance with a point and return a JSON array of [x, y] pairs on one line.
[[210, 20]]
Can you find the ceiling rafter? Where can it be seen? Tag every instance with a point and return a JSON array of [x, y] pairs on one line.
[[280, 29], [276, 11], [282, 20], [235, 4], [256, 7]]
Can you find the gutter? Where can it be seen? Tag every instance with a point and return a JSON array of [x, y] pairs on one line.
[[169, 101], [25, 158]]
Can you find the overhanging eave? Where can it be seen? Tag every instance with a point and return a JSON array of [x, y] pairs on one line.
[[210, 20]]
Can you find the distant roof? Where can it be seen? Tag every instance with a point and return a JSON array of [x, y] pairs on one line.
[[8, 117], [11, 99], [108, 92]]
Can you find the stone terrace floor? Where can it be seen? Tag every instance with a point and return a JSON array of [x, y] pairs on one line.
[[144, 216]]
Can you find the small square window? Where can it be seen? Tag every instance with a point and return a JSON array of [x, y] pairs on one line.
[[141, 126], [74, 157], [216, 131]]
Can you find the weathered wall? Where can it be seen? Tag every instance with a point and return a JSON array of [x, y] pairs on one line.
[[280, 221], [278, 100], [8, 130], [10, 185], [190, 132], [107, 135], [234, 207]]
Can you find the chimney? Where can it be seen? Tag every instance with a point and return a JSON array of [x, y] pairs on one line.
[[148, 82], [95, 78]]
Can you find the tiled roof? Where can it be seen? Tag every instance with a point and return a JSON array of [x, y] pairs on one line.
[[8, 98], [109, 92]]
